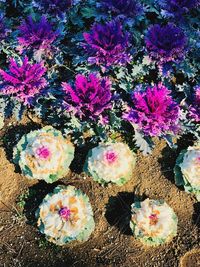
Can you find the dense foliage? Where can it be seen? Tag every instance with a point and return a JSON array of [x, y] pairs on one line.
[[110, 49]]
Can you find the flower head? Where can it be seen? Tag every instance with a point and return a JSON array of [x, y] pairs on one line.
[[194, 109], [153, 222], [177, 8], [44, 154], [65, 215], [89, 97], [107, 45], [38, 36], [154, 111], [23, 82], [55, 7], [127, 8], [187, 169], [165, 43], [111, 156], [110, 162]]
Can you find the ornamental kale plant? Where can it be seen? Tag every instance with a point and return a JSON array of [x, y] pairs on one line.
[[110, 162], [177, 8], [65, 215], [3, 31], [125, 8], [89, 97], [166, 44], [153, 222], [154, 111], [194, 109], [44, 154], [127, 42], [54, 7], [107, 45], [187, 169], [24, 81], [37, 36]]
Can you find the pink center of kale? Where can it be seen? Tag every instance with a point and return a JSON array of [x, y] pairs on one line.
[[43, 152], [153, 219], [111, 157], [65, 213], [198, 160]]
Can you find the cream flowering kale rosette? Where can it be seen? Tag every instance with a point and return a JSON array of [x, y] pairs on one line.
[[153, 222], [65, 215], [44, 154], [187, 170], [110, 162]]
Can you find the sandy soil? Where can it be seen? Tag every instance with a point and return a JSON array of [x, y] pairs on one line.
[[111, 244]]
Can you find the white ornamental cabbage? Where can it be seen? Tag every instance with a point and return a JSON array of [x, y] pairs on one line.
[[187, 170], [65, 215], [153, 222], [44, 154], [110, 162]]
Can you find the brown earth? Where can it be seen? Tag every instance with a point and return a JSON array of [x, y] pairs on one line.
[[111, 244]]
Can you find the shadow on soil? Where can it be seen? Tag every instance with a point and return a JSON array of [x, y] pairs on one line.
[[169, 155], [80, 156], [35, 197], [196, 215], [118, 210], [13, 135]]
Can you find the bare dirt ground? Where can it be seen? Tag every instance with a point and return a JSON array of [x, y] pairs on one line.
[[112, 243]]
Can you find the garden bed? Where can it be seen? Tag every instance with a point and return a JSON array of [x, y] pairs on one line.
[[99, 133], [112, 241]]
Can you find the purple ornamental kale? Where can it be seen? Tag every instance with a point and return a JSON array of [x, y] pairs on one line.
[[89, 97], [176, 8], [55, 7], [107, 45], [127, 8], [194, 109], [38, 36], [166, 43], [154, 111], [23, 82], [3, 30]]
